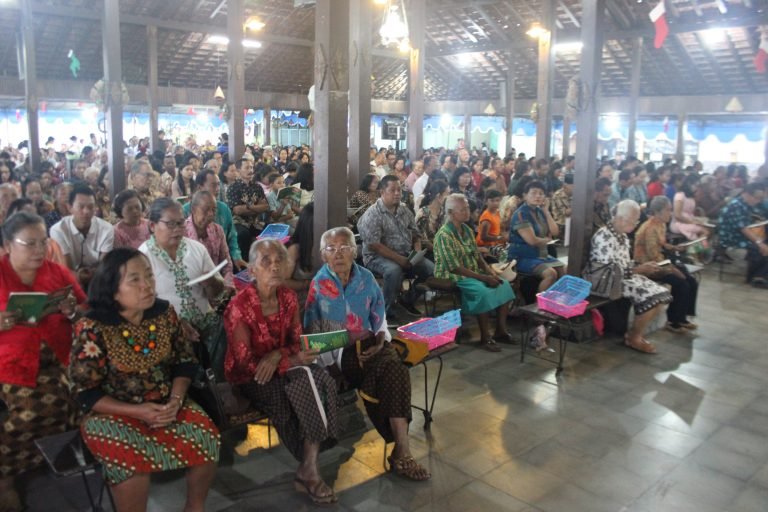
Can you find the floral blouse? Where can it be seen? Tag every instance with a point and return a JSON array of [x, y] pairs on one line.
[[251, 336], [428, 224], [131, 363]]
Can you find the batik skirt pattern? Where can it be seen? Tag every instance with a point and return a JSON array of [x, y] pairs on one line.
[[126, 446], [41, 411]]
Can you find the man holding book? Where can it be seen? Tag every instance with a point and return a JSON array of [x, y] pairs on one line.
[[735, 230], [84, 238]]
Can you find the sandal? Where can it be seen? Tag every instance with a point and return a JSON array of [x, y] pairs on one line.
[[407, 467], [642, 345], [305, 487], [490, 345], [505, 337]]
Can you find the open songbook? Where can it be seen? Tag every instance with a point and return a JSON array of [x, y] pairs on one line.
[[34, 306]]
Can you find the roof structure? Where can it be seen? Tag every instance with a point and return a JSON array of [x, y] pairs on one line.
[[472, 46]]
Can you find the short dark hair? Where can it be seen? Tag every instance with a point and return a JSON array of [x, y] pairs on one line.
[[161, 204], [625, 175], [82, 190], [272, 178], [493, 194], [106, 280], [601, 183], [752, 188], [122, 198], [568, 178], [202, 177], [17, 204], [535, 184], [19, 221], [386, 180]]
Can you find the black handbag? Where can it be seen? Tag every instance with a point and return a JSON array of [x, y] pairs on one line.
[[605, 278]]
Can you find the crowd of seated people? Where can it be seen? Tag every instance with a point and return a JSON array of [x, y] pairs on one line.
[[130, 345]]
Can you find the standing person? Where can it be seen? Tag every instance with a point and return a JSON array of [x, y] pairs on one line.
[[84, 238], [248, 203], [33, 357], [132, 364], [264, 358]]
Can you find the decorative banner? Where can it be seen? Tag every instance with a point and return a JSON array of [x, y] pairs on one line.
[[74, 63], [659, 18]]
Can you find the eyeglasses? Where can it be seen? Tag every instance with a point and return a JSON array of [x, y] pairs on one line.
[[33, 244], [173, 224], [343, 249]]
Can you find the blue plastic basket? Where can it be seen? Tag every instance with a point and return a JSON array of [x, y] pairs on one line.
[[278, 231], [568, 290]]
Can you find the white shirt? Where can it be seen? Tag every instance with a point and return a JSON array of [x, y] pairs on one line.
[[196, 261], [380, 170], [418, 189], [85, 251]]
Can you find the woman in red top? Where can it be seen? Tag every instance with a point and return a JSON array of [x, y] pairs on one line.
[[658, 183], [265, 358], [34, 353]]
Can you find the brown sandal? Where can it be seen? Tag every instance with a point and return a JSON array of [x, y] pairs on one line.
[[306, 487], [643, 345], [407, 467]]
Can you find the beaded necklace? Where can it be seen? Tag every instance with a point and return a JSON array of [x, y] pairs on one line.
[[142, 346]]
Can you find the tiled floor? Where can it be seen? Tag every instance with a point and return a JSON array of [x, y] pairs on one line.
[[684, 430]]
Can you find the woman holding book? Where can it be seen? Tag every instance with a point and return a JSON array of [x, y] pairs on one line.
[[650, 244], [132, 365], [265, 359], [344, 295], [33, 354]]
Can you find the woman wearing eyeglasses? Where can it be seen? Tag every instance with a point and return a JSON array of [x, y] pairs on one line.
[[344, 295], [33, 351], [176, 260]]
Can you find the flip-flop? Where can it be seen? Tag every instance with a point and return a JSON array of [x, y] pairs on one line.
[[305, 487], [490, 345]]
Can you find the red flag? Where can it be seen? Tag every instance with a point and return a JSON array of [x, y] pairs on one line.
[[659, 19], [761, 57]]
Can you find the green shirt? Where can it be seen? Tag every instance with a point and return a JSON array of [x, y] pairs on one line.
[[453, 250], [224, 219]]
